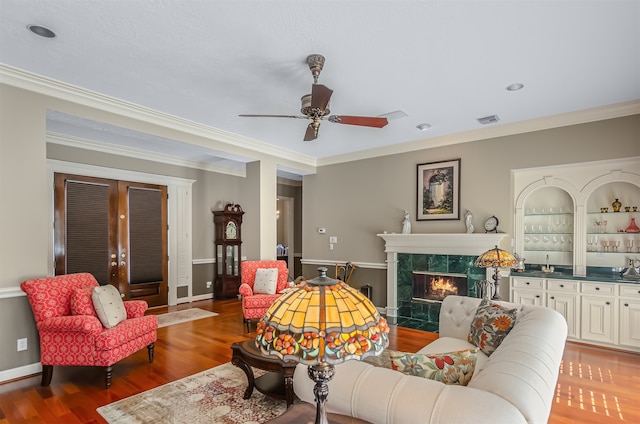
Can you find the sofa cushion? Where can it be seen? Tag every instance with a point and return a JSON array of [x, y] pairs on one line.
[[81, 303], [266, 281], [490, 325], [108, 305], [449, 368]]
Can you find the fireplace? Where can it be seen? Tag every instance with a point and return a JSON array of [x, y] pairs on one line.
[[437, 253], [435, 286]]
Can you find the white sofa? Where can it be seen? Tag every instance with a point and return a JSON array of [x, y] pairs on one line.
[[516, 384]]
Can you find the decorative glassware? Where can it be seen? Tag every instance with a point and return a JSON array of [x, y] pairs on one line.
[[616, 205], [633, 228]]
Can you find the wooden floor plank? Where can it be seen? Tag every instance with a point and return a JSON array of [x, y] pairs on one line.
[[595, 385]]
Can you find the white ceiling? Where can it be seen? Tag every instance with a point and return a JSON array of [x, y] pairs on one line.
[[445, 63]]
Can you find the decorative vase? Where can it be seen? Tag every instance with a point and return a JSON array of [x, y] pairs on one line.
[[616, 205], [632, 228]]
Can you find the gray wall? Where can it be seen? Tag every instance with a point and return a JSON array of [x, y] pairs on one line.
[[357, 200], [25, 221]]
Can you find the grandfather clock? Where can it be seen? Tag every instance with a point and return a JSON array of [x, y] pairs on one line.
[[228, 244]]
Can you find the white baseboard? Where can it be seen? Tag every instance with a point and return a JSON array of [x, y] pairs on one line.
[[23, 371], [199, 297]]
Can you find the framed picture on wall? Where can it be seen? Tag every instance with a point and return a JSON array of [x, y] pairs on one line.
[[439, 190]]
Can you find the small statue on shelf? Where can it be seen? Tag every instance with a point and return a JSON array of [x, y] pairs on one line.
[[468, 217], [406, 224]]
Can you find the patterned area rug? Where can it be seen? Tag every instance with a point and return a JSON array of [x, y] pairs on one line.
[[178, 317], [212, 396]]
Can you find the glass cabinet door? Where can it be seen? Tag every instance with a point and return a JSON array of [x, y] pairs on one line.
[[232, 261]]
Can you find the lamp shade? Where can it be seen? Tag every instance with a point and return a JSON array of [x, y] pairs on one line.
[[324, 322], [496, 258]]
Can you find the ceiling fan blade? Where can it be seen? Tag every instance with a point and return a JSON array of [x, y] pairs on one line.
[[311, 133], [364, 121], [320, 96], [275, 116]]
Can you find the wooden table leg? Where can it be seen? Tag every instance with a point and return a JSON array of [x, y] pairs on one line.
[[238, 362], [288, 389]]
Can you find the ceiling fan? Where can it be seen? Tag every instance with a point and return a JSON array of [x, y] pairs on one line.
[[315, 106]]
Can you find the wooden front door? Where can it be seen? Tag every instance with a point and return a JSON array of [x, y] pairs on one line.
[[116, 230]]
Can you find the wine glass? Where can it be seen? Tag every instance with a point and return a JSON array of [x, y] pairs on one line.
[[615, 244], [629, 245]]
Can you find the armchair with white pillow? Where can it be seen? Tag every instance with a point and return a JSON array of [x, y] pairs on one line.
[[81, 323], [262, 283]]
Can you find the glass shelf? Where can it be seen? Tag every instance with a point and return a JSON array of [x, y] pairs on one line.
[[614, 213], [559, 233], [542, 249], [548, 214], [617, 233]]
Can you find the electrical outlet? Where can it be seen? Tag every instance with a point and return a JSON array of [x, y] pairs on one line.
[[333, 239], [208, 284], [22, 344]]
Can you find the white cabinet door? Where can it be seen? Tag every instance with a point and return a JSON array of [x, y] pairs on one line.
[[630, 322], [598, 315], [567, 305], [528, 297]]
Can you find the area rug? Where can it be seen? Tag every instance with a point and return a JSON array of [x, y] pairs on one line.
[[185, 315], [212, 396]]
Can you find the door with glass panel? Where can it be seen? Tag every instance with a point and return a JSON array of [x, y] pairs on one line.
[[116, 230]]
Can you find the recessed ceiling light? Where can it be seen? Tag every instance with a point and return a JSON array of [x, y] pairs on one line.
[[41, 31], [515, 86], [423, 127]]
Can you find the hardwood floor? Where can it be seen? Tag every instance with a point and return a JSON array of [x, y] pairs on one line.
[[595, 385]]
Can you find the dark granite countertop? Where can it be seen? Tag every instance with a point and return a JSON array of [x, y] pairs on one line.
[[599, 274]]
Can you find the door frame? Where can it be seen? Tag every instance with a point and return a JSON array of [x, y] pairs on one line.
[[179, 217]]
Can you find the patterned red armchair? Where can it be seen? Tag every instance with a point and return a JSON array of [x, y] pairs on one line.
[[71, 332], [254, 305]]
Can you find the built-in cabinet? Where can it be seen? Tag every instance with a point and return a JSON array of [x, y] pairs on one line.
[[601, 313], [565, 216]]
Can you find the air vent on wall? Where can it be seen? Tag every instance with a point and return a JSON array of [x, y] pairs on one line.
[[491, 119]]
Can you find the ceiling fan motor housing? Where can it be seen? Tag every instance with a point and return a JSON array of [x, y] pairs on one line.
[[311, 111]]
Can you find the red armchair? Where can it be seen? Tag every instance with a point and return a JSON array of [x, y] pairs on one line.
[[71, 333], [255, 305]]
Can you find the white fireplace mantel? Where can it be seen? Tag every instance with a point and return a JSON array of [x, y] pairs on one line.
[[468, 244], [442, 244]]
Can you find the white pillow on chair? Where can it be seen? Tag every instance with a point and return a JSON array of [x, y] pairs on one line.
[[266, 281], [108, 305]]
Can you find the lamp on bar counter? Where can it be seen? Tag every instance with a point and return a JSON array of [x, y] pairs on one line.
[[321, 324], [496, 258]]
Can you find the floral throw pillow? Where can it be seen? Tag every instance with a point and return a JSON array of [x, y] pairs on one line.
[[490, 325], [448, 368]]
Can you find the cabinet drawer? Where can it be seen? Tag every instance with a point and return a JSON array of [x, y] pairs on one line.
[[608, 289], [563, 286], [528, 283], [630, 290]]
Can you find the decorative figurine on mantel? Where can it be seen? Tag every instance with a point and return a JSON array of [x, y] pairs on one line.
[[468, 217], [406, 224]]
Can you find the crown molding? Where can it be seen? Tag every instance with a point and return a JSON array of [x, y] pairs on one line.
[[584, 116], [46, 86], [96, 146]]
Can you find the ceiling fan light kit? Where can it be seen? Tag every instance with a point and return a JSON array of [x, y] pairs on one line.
[[315, 106]]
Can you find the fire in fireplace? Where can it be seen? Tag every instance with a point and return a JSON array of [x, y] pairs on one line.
[[435, 286]]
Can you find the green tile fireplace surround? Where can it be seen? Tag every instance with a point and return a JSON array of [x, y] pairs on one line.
[[437, 253], [423, 315]]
